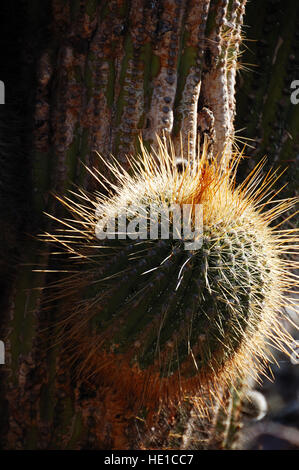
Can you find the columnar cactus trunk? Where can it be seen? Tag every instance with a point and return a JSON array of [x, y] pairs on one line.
[[107, 73], [265, 112]]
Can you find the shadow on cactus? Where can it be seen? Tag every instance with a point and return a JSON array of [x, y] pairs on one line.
[[161, 321]]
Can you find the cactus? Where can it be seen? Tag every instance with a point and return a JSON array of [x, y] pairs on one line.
[[101, 74], [153, 315]]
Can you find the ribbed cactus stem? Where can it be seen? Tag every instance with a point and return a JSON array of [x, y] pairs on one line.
[[179, 321]]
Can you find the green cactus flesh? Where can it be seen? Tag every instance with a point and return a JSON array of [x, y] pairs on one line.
[[206, 300]]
